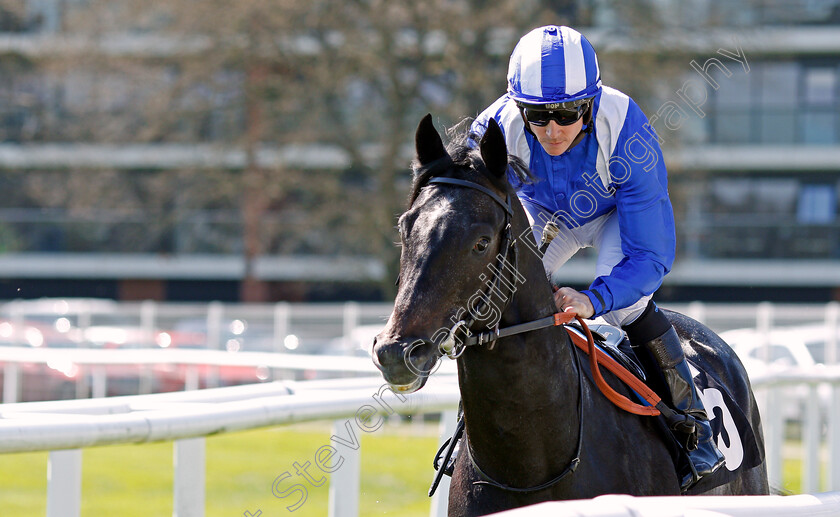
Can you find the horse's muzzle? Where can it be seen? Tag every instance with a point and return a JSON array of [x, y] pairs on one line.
[[405, 364]]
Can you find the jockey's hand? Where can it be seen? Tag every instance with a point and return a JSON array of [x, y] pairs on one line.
[[567, 299]]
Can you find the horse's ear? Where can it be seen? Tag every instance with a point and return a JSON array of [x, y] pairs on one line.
[[493, 149], [428, 143]]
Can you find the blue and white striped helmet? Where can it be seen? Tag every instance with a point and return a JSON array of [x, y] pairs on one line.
[[553, 64]]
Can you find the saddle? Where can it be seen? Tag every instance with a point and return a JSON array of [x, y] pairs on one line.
[[613, 341]]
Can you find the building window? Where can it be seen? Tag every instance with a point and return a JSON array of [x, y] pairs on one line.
[[819, 120], [777, 103], [763, 217], [817, 204], [779, 99], [732, 116]]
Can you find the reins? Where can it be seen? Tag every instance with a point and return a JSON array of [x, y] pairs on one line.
[[575, 461], [596, 358]]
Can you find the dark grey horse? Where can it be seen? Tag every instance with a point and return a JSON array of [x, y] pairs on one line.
[[537, 429]]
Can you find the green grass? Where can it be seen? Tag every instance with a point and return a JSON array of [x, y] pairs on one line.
[[136, 480], [792, 476], [23, 484]]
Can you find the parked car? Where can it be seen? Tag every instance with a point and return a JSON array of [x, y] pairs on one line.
[[358, 343], [801, 346], [53, 323], [53, 380], [234, 335]]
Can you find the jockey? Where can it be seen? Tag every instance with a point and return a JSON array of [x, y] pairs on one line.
[[600, 182]]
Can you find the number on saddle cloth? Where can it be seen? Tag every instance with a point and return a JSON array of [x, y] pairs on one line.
[[731, 428]]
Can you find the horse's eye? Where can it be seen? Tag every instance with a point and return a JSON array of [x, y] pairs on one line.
[[481, 245]]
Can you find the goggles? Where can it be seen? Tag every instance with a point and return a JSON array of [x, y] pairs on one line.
[[565, 114]]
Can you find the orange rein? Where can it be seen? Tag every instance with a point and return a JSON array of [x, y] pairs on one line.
[[597, 357]]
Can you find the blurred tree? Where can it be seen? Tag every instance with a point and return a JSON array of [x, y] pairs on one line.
[[379, 67], [336, 80]]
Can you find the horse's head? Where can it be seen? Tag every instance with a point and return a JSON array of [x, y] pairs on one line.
[[453, 235]]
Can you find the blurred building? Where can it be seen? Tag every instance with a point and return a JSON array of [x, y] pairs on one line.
[[749, 117], [751, 131]]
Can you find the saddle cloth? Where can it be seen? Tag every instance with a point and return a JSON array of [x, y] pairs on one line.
[[731, 428]]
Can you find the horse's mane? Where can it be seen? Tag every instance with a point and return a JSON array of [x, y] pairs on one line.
[[464, 154]]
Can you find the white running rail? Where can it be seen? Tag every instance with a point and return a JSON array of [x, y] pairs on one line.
[[66, 427], [709, 506]]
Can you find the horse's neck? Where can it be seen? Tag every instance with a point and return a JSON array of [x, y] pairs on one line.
[[510, 392], [521, 357], [533, 368]]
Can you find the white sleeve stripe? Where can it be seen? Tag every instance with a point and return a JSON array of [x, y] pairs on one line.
[[612, 112]]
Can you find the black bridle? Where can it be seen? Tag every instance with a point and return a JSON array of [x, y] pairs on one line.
[[509, 248], [453, 347]]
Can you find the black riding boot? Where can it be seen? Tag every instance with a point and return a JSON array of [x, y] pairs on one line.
[[653, 332]]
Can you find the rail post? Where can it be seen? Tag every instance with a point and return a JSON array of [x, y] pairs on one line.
[[344, 480], [64, 483], [188, 482], [281, 325], [811, 437], [11, 382]]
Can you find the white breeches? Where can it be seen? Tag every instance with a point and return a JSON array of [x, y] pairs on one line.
[[601, 234]]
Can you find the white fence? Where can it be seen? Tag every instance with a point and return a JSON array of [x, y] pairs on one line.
[[65, 427], [709, 506], [51, 328], [192, 360]]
